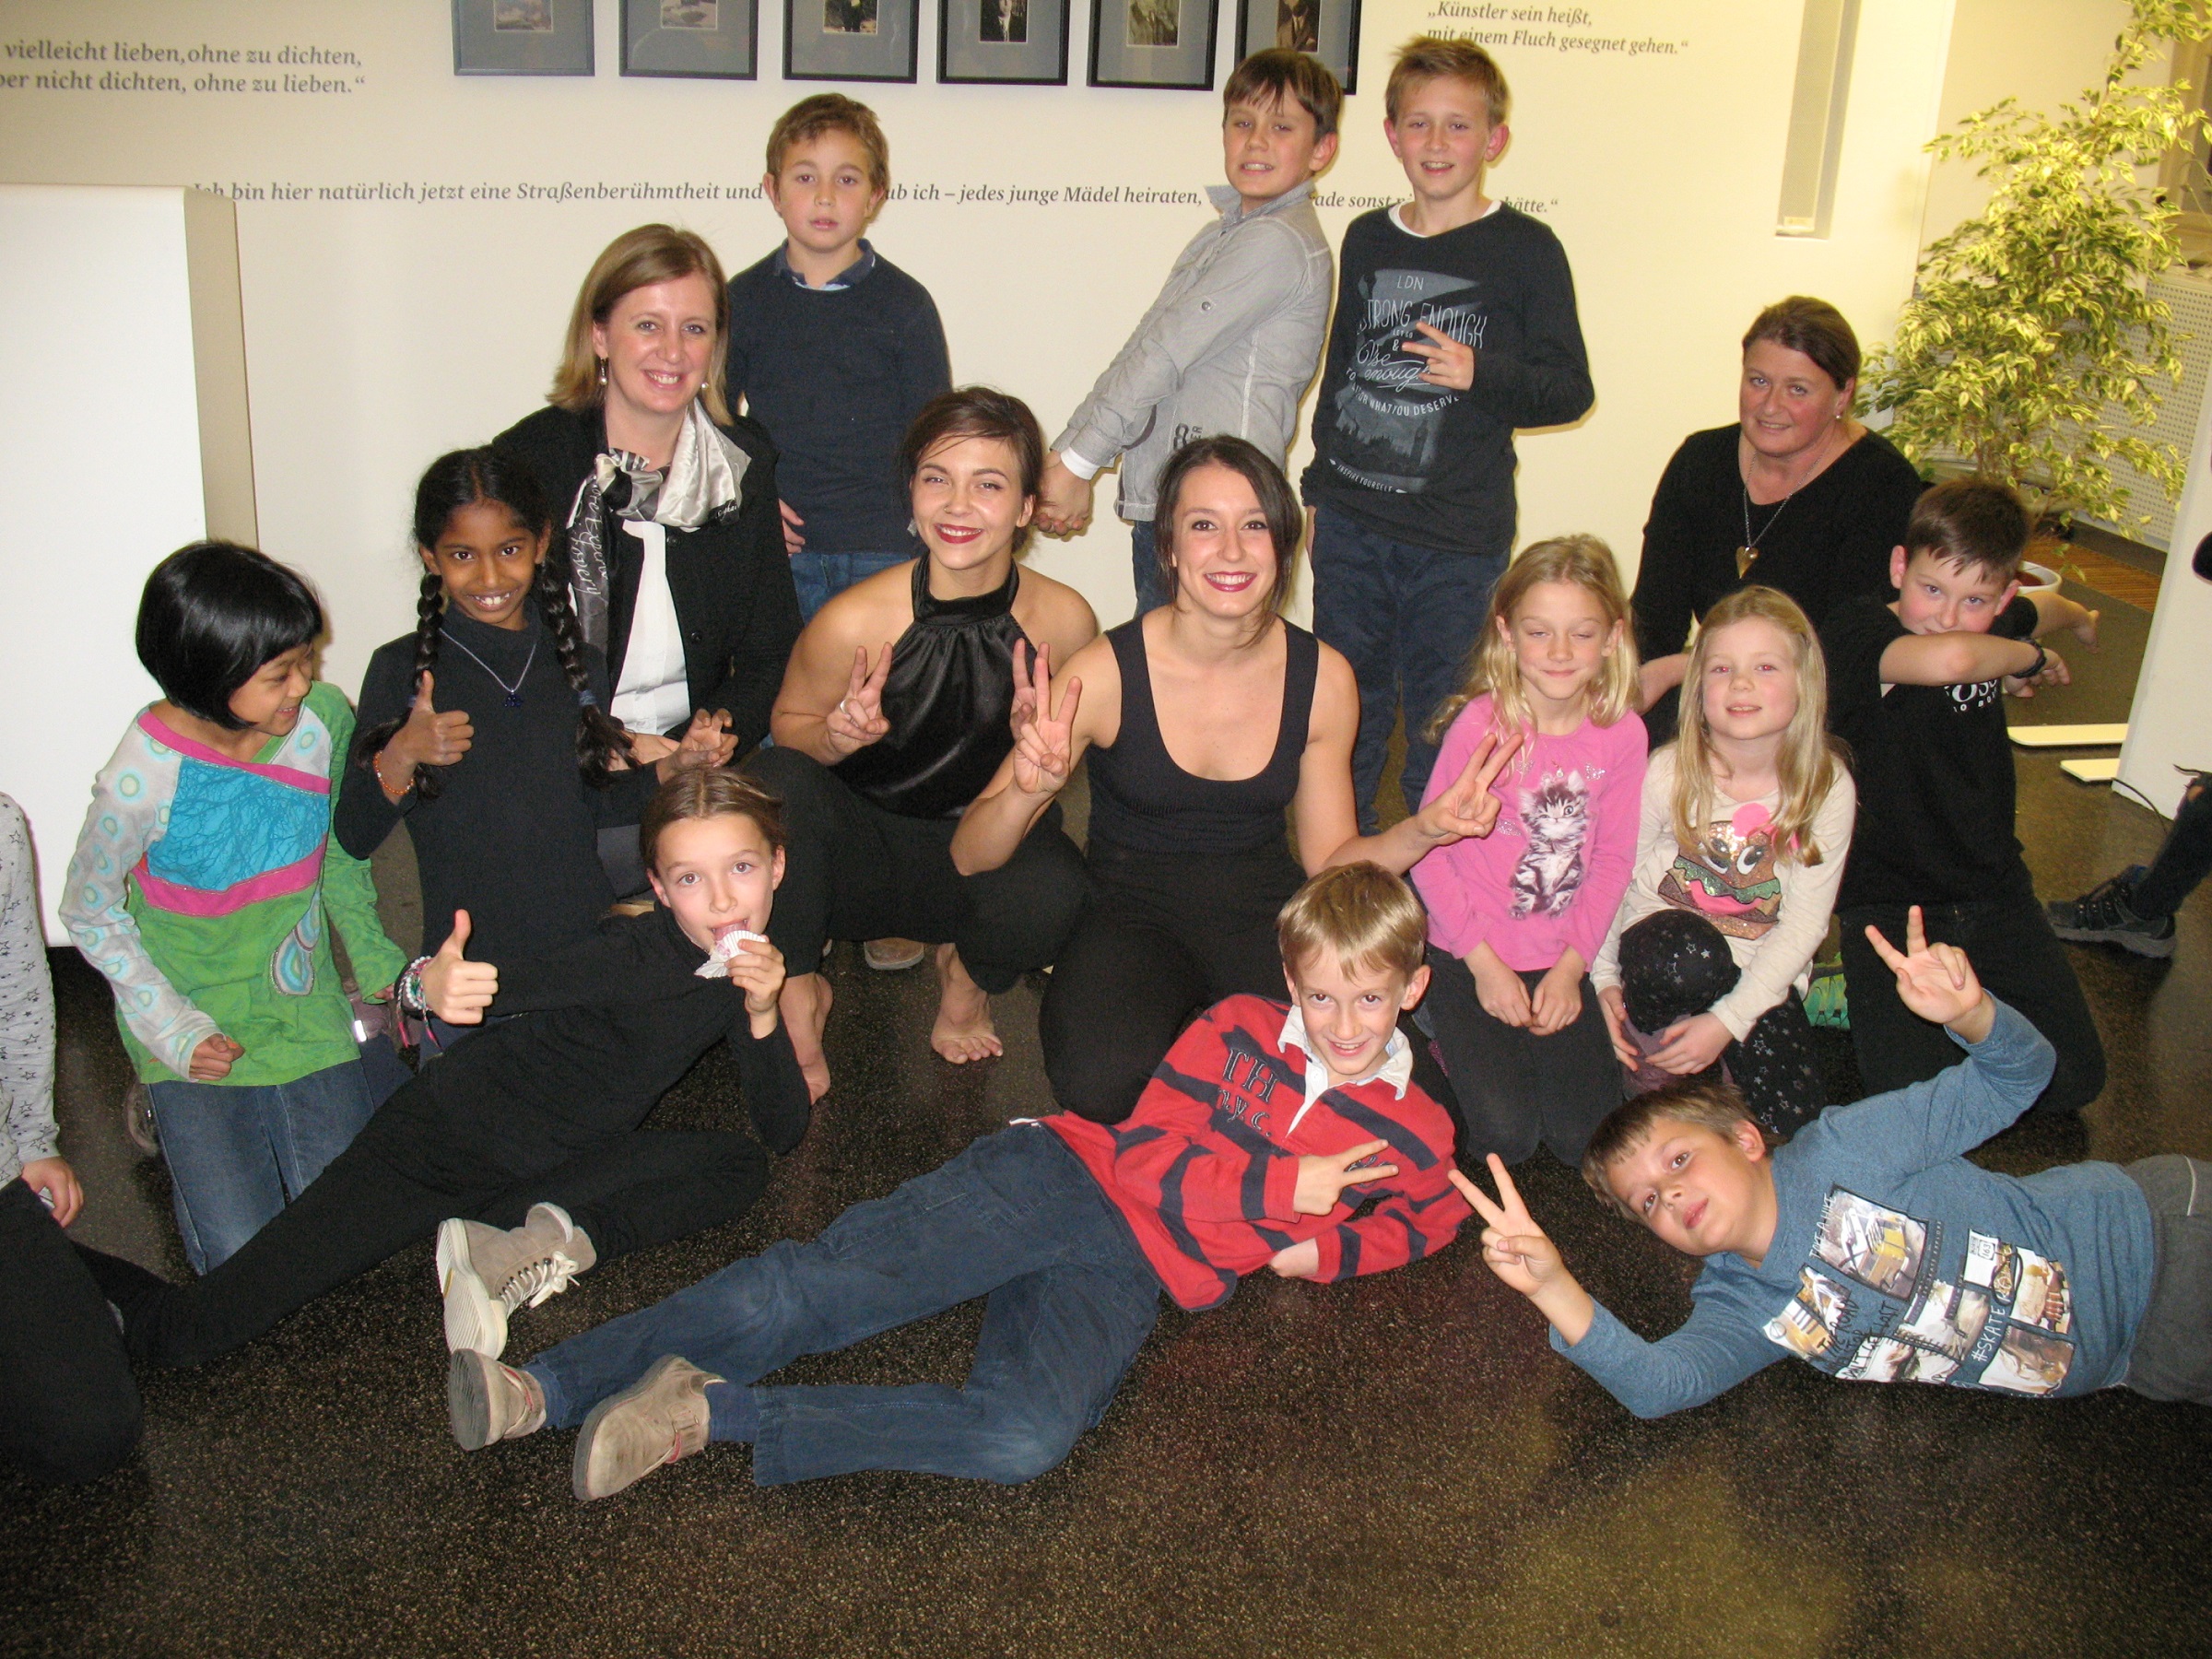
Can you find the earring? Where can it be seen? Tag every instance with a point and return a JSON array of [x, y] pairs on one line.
[[602, 372]]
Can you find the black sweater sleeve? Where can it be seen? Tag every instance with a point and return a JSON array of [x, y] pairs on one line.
[[775, 1089], [1547, 381], [753, 671], [628, 960], [1666, 599], [362, 816]]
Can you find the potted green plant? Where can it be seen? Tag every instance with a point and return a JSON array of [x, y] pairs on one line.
[[2032, 349]]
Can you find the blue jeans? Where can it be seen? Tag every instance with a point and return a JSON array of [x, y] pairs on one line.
[[238, 1153], [820, 577], [1404, 617], [1014, 1217], [1144, 568]]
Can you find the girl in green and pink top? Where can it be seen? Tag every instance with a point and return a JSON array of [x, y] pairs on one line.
[[204, 887]]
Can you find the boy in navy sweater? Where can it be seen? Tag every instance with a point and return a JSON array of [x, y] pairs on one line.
[[1871, 1249], [835, 349], [1455, 324], [1270, 1137]]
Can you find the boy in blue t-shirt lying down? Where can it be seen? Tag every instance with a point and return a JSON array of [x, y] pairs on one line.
[[1870, 1247]]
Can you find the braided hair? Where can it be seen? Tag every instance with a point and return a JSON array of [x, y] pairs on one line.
[[464, 478]]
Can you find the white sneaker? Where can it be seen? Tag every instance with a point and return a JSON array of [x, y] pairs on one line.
[[486, 1273], [485, 1400], [660, 1418]]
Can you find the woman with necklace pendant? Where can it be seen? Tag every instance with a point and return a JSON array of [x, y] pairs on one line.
[[486, 729], [664, 501], [1796, 496]]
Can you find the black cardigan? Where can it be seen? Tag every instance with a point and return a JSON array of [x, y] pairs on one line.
[[731, 581]]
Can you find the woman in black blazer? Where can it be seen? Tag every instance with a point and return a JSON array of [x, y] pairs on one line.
[[664, 501]]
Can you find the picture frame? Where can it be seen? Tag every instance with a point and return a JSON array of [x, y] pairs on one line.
[[1003, 43], [523, 36], [1328, 29], [851, 40], [1161, 43], [692, 40]]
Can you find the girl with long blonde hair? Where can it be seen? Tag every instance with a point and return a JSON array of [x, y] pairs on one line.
[[1516, 916], [1739, 851]]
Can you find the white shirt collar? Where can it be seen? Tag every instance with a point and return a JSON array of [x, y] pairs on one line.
[[1395, 1070]]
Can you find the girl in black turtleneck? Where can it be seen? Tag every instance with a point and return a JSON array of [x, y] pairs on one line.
[[486, 728]]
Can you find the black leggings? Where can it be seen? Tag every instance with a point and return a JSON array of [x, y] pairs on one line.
[[1674, 964], [1167, 936], [2183, 859], [853, 871], [68, 1409], [420, 1159], [1513, 1088], [2019, 962]]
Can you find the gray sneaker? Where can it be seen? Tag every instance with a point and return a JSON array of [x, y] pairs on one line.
[[2102, 916], [485, 1400], [656, 1420], [138, 1120], [486, 1273]]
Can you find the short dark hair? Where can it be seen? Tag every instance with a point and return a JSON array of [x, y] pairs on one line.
[[977, 412], [1268, 78], [1702, 1101], [831, 113], [1286, 520], [212, 614], [1814, 328], [1974, 523], [703, 792]]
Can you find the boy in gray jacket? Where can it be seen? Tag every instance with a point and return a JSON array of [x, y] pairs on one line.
[[1232, 342]]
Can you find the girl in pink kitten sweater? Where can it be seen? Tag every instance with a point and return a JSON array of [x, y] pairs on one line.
[[1516, 917]]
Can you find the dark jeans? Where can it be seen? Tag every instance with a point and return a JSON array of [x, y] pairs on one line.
[[1015, 1218], [853, 871], [1674, 965], [1144, 568], [2171, 1359], [1513, 1088], [424, 1156], [820, 577], [68, 1409], [2019, 961], [1167, 936], [1404, 617], [2182, 860]]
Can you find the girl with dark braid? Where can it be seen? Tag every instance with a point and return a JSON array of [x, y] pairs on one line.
[[486, 729]]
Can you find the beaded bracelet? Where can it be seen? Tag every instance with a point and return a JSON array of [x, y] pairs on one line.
[[408, 994]]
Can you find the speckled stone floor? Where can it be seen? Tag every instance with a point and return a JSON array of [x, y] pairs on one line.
[[1400, 1467]]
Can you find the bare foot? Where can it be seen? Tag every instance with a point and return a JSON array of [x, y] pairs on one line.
[[804, 1006], [963, 1031]]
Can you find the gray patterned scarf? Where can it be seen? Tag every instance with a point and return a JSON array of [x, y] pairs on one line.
[[703, 482]]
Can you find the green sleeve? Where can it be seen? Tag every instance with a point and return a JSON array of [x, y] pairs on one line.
[[349, 891]]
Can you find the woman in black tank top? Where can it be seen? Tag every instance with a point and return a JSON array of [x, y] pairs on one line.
[[881, 743], [1190, 858]]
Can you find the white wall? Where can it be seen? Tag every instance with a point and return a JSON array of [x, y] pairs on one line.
[[2166, 727], [100, 410], [383, 331]]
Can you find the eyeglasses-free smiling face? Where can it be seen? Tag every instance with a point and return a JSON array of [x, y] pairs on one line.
[[1268, 149], [967, 503], [1222, 545], [1699, 1190], [1935, 596], [715, 874], [1750, 687], [269, 702], [1349, 1016], [1785, 403], [487, 562], [1561, 637], [1444, 137], [656, 343]]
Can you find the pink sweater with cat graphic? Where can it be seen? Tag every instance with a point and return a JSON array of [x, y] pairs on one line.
[[1551, 874]]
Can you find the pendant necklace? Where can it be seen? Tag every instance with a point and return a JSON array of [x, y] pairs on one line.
[[514, 692], [1747, 555]]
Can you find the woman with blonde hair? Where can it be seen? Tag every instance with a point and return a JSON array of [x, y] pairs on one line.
[[1739, 851], [664, 501]]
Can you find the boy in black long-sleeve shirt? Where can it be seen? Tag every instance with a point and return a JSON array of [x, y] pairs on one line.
[[534, 1120], [835, 350], [1455, 324]]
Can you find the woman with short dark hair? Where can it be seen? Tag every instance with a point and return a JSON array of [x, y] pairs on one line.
[[1795, 494]]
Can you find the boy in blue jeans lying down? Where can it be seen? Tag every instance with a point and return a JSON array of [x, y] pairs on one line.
[[1870, 1247], [1270, 1137]]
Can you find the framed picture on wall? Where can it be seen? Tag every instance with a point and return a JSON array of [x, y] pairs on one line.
[[708, 39], [1327, 28], [522, 37], [1154, 43], [1015, 42], [850, 40]]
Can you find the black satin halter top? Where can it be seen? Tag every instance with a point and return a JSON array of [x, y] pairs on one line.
[[949, 697]]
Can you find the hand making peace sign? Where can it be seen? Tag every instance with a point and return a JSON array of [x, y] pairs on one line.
[[1516, 1248], [1468, 808], [1043, 737], [858, 718]]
